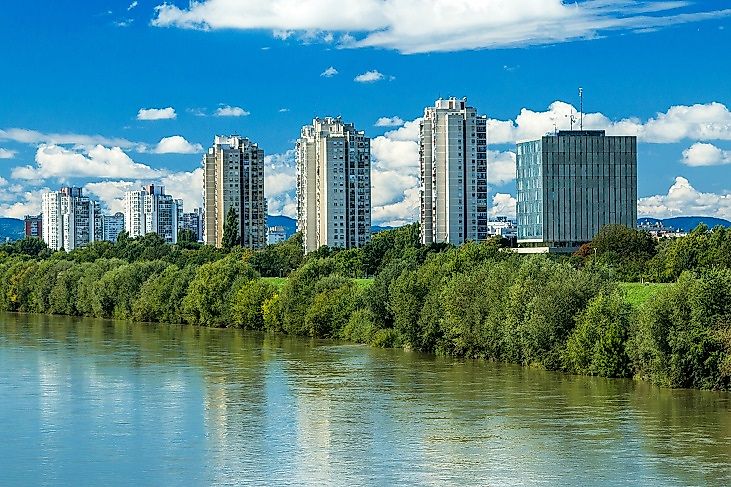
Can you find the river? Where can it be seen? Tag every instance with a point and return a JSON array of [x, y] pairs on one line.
[[94, 402]]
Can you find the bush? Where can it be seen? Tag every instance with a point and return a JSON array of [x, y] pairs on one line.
[[598, 344]]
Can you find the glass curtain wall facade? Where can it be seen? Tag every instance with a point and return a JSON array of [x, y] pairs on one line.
[[571, 184]]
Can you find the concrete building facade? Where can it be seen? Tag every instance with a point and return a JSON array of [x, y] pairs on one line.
[[33, 226], [276, 234], [233, 177], [150, 210], [333, 185], [193, 222], [453, 173], [68, 219], [571, 184]]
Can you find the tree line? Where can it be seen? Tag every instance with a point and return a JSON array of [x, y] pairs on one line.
[[479, 300]]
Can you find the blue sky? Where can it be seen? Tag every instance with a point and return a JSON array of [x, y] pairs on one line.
[[76, 75]]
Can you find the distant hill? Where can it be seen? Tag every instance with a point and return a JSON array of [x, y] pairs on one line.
[[376, 228], [11, 228], [687, 223], [289, 224]]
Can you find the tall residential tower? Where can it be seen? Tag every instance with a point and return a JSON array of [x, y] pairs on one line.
[[572, 183], [333, 185], [68, 219], [453, 153], [233, 177], [151, 210]]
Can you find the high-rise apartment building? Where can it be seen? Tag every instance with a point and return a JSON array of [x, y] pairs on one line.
[[233, 177], [68, 219], [193, 222], [572, 183], [453, 153], [151, 210], [108, 227], [33, 226], [333, 185]]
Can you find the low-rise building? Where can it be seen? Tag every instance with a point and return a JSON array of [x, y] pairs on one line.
[[276, 234]]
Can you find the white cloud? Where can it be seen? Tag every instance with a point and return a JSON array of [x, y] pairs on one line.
[[500, 167], [6, 153], [702, 154], [111, 193], [413, 26], [132, 5], [176, 144], [26, 136], [22, 202], [329, 72], [395, 176], [283, 110], [53, 161], [369, 77], [229, 111], [156, 113], [186, 185], [711, 121], [503, 205], [389, 122], [280, 183], [684, 200]]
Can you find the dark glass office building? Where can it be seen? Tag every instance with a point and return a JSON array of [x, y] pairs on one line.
[[573, 183]]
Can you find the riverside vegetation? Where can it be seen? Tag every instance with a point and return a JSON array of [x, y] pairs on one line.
[[575, 314]]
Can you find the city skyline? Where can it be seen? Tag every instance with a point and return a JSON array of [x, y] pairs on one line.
[[97, 124]]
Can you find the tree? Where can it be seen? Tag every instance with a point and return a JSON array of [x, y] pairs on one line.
[[231, 230], [186, 235]]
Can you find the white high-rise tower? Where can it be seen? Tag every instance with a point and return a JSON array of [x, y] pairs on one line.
[[453, 153], [333, 185]]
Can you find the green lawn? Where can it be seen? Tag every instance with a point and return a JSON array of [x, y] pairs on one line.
[[638, 294], [277, 282]]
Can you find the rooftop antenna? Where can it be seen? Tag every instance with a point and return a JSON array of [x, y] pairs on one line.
[[581, 108]]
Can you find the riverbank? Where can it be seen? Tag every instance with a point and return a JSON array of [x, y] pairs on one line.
[[474, 301]]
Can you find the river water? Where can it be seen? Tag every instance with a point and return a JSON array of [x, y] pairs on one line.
[[92, 402]]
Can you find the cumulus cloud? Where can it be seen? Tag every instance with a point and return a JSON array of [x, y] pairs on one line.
[[6, 153], [389, 122], [26, 136], [369, 77], [186, 185], [176, 144], [156, 113], [280, 183], [53, 161], [710, 121], [683, 199], [132, 5], [503, 204], [21, 202], [500, 167], [414, 26], [329, 72], [703, 154], [229, 111]]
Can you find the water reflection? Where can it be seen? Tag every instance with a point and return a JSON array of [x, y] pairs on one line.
[[90, 402]]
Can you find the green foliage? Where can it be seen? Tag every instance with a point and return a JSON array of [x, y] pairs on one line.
[[231, 236], [598, 345], [207, 301], [248, 304], [280, 259], [681, 336], [115, 293], [161, 296], [701, 249], [29, 246], [626, 250]]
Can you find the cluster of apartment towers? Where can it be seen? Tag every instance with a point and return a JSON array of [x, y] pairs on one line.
[[570, 183]]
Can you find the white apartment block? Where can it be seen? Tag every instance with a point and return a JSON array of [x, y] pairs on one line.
[[68, 219], [233, 177], [150, 210], [333, 185], [453, 153], [108, 227]]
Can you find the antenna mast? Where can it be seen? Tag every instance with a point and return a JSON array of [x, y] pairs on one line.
[[581, 108]]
